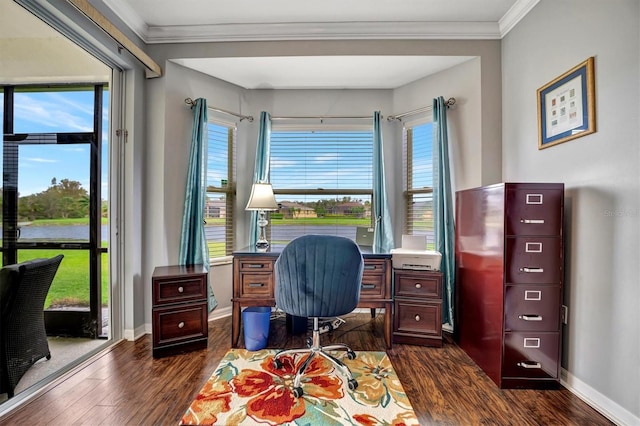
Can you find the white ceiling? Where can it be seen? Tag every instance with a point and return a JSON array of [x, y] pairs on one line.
[[170, 21]]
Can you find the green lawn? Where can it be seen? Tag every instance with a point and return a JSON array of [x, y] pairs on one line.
[[71, 285]]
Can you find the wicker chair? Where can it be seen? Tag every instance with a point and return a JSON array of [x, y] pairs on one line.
[[23, 339]]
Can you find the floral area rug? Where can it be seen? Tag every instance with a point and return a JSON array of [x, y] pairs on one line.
[[246, 389]]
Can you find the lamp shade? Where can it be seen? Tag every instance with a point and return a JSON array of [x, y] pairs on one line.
[[262, 197]]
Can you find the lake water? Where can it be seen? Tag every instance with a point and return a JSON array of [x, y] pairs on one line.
[[48, 233]]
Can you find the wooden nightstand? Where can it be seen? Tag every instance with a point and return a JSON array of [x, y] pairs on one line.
[[179, 309], [417, 307]]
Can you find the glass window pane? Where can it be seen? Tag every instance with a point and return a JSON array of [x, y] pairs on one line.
[[53, 111]]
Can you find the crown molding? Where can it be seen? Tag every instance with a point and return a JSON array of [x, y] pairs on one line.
[[518, 11], [323, 31], [421, 30]]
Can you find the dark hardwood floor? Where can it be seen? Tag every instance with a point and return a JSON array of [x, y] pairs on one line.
[[126, 386]]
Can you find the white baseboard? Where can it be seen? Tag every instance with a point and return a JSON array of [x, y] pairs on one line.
[[137, 333], [608, 408], [219, 313]]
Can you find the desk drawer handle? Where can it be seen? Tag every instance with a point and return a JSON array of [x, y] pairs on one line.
[[417, 317], [181, 324], [529, 364], [530, 317], [418, 285], [532, 221], [369, 267], [532, 270], [256, 284], [180, 289], [255, 265], [368, 286]]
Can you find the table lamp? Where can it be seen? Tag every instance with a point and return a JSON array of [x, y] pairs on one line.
[[261, 200]]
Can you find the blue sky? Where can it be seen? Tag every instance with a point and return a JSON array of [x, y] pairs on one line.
[[55, 112]]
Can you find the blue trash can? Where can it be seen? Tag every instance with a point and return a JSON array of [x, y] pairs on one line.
[[256, 321]]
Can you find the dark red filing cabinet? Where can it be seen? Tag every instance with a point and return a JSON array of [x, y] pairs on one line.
[[509, 259]]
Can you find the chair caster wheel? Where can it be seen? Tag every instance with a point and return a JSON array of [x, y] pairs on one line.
[[353, 384], [351, 355], [297, 392], [277, 364], [309, 342], [48, 357]]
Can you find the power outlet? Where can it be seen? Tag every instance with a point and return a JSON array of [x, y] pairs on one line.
[[565, 314]]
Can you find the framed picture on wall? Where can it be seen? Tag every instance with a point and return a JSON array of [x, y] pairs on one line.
[[566, 106]]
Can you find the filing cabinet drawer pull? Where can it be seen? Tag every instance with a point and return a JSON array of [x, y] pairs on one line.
[[256, 284], [368, 286], [180, 289], [532, 270], [181, 324], [529, 364], [532, 221], [530, 317], [417, 317], [255, 265]]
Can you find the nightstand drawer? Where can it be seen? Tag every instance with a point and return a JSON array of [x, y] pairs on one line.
[[174, 290], [418, 284], [174, 325], [256, 285], [418, 318], [255, 265]]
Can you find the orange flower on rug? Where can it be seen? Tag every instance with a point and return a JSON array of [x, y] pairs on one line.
[[246, 389]]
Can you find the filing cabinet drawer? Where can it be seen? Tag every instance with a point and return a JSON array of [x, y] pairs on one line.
[[534, 211], [532, 308], [256, 285], [183, 289], [417, 284], [531, 355], [174, 325], [533, 260]]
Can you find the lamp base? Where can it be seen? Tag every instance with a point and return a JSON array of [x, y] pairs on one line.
[[262, 245]]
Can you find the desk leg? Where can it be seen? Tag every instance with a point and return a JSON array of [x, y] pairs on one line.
[[235, 324], [388, 325]]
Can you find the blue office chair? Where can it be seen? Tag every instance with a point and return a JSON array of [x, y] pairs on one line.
[[318, 276]]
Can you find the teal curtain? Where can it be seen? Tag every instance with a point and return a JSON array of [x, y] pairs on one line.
[[261, 170], [383, 231], [193, 242], [443, 208]]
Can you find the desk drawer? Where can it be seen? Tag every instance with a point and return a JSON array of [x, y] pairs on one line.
[[257, 285], [174, 290], [176, 324]]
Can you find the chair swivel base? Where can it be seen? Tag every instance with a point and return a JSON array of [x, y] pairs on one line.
[[313, 350]]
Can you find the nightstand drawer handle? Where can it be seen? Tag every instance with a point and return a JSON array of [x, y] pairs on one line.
[[532, 221], [181, 324], [255, 265], [256, 284], [417, 317], [529, 364], [418, 285], [368, 286], [532, 270], [180, 289], [530, 317]]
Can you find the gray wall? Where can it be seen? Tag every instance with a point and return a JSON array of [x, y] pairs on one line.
[[601, 173]]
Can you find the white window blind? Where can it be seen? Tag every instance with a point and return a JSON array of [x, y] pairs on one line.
[[419, 181], [220, 194], [322, 181]]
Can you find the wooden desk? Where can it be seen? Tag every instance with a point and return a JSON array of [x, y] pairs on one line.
[[254, 283]]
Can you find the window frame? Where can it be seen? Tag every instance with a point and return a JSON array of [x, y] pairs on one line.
[[409, 192], [229, 190]]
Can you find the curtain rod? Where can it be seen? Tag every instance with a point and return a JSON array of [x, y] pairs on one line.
[[448, 103], [191, 102], [324, 117]]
